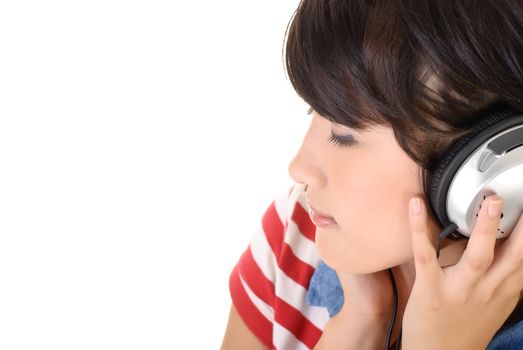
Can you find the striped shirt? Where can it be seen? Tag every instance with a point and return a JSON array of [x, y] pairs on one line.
[[269, 283]]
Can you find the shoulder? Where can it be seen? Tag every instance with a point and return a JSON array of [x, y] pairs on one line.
[[270, 282]]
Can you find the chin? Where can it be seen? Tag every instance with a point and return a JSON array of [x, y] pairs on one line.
[[343, 265], [351, 266]]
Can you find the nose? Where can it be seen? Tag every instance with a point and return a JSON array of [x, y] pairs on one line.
[[304, 170]]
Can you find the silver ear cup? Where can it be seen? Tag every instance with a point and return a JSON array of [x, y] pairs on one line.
[[487, 160], [486, 172]]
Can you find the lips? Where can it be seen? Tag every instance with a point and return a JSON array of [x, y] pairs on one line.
[[321, 219], [316, 211]]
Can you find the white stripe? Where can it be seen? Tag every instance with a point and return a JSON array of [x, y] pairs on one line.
[[299, 196], [284, 202], [285, 340], [263, 255], [281, 205], [264, 308], [301, 246]]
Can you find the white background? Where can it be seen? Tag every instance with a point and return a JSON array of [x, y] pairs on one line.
[[140, 144]]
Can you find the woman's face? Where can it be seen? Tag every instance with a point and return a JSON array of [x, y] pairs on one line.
[[366, 188]]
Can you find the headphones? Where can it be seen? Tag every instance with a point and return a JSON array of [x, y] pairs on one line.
[[488, 160]]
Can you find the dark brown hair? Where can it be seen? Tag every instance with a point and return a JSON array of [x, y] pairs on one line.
[[423, 67]]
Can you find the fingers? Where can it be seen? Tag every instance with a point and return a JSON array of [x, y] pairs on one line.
[[479, 254], [508, 262], [428, 271]]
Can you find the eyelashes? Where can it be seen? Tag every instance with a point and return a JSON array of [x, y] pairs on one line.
[[339, 141]]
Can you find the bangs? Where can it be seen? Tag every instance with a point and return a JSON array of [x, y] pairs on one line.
[[351, 62]]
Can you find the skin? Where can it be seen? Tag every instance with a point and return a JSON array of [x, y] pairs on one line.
[[366, 187]]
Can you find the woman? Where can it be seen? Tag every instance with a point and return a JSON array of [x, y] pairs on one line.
[[391, 85]]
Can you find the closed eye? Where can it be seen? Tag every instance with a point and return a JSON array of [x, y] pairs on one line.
[[341, 141]]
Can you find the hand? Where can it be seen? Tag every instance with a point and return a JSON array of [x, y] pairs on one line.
[[462, 306]]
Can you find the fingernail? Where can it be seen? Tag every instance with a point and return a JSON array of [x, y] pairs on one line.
[[494, 209], [415, 206]]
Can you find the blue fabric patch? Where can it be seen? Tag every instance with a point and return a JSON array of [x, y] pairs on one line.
[[510, 339], [325, 290]]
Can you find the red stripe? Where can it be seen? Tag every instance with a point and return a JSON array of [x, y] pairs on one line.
[[253, 318], [302, 219], [273, 228], [255, 279], [296, 269], [290, 318]]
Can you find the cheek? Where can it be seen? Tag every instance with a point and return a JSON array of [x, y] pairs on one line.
[[358, 251], [335, 250], [371, 210], [369, 241], [366, 209]]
